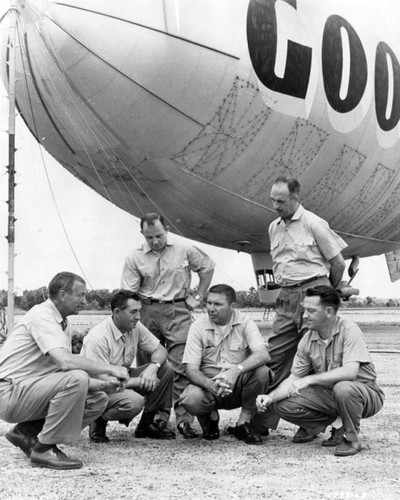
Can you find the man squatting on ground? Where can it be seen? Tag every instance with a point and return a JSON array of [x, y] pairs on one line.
[[332, 381], [116, 340], [225, 358], [46, 388], [160, 272], [305, 253]]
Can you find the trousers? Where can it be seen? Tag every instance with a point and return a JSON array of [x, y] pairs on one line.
[[125, 405], [170, 323], [200, 402], [318, 406], [60, 398]]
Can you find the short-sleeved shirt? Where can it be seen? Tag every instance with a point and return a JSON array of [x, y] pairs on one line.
[[106, 343], [24, 353], [165, 275], [302, 247], [212, 348], [346, 344]]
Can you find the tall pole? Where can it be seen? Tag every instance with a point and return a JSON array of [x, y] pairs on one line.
[[11, 166]]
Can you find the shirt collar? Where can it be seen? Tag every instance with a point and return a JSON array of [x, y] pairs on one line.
[[147, 249], [296, 216], [335, 331], [55, 311], [116, 332], [234, 321]]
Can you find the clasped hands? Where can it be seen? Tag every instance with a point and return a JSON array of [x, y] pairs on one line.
[[224, 382]]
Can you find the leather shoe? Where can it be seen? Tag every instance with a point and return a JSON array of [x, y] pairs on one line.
[[21, 440], [303, 436], [156, 430], [54, 458], [187, 430], [97, 431], [337, 437], [210, 427], [348, 448], [243, 432]]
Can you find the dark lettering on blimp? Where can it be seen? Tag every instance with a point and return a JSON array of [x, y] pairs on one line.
[[262, 37]]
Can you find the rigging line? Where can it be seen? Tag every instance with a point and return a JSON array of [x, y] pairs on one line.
[[95, 137], [79, 94], [150, 28], [124, 75], [51, 188], [41, 98], [125, 168]]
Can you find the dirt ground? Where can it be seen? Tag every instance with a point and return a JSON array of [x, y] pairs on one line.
[[129, 468]]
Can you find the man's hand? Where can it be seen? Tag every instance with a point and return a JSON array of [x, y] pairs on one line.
[[112, 384], [192, 303], [148, 380], [298, 385], [120, 372], [225, 381], [263, 401]]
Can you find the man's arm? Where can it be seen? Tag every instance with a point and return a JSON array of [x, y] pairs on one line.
[[66, 361], [205, 279], [148, 379], [258, 357], [293, 385], [338, 266], [196, 377], [131, 277]]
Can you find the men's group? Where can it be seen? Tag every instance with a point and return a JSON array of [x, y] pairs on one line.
[[149, 355]]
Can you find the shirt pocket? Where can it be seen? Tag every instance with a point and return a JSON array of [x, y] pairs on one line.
[[181, 266], [304, 247], [337, 360], [238, 351], [147, 274], [317, 363]]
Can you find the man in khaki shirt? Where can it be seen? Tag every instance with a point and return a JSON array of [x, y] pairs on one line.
[[116, 340], [225, 358], [160, 272], [332, 381]]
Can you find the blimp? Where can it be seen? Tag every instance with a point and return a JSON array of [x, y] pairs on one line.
[[192, 108]]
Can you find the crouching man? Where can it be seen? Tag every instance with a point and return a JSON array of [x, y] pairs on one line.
[[46, 388], [225, 358], [332, 381], [149, 387]]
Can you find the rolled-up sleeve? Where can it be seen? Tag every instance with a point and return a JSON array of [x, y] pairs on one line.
[[199, 262], [302, 364], [131, 277], [193, 349]]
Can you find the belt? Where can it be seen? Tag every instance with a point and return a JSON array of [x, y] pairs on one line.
[[309, 280], [149, 300]]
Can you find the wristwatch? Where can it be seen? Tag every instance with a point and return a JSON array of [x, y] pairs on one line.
[[240, 368], [198, 297], [157, 365]]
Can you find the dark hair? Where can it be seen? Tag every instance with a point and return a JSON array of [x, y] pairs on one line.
[[328, 296], [120, 298], [227, 290], [292, 184], [150, 219], [63, 281]]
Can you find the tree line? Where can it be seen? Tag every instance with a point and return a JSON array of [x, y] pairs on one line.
[[99, 300]]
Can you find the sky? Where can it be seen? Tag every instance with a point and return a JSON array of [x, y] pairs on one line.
[[100, 234]]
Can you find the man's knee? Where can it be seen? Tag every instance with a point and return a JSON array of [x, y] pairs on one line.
[[287, 407], [166, 372], [343, 390], [79, 378], [191, 397]]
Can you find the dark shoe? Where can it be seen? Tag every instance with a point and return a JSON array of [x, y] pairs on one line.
[[54, 459], [348, 448], [21, 440], [244, 433], [156, 430], [187, 430], [97, 431], [210, 427], [337, 437], [303, 436]]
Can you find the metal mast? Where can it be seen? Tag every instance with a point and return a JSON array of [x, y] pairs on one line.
[[11, 165]]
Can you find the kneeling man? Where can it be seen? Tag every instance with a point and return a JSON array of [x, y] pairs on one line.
[[225, 358], [332, 381], [149, 388]]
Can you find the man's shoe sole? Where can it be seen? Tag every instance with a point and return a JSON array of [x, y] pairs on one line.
[[56, 467]]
